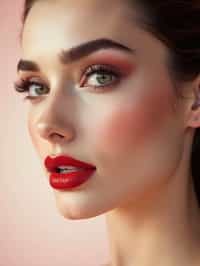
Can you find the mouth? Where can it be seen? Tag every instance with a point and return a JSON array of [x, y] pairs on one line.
[[67, 172]]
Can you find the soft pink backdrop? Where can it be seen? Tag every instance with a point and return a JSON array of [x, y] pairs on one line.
[[32, 233]]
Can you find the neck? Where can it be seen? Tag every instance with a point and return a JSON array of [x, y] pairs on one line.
[[163, 229]]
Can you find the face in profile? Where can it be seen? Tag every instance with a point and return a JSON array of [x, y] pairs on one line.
[[121, 120]]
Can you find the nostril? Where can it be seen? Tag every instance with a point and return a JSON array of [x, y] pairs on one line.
[[55, 137], [58, 137]]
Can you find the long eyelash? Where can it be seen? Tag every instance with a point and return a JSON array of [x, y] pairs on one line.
[[22, 85], [101, 69]]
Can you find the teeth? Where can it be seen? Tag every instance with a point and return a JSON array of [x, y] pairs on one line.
[[66, 169]]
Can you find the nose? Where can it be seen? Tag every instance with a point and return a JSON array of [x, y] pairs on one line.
[[53, 134], [55, 122]]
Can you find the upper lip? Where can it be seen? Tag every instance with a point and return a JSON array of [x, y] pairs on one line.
[[65, 160]]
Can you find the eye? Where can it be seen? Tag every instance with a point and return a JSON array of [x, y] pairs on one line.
[[100, 76], [33, 88]]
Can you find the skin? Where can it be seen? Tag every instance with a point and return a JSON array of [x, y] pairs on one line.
[[138, 133]]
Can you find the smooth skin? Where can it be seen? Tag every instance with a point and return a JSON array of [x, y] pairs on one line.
[[136, 132]]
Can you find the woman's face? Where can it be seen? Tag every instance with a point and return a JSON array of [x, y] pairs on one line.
[[127, 128]]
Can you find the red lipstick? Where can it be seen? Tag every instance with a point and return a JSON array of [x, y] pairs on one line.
[[67, 172]]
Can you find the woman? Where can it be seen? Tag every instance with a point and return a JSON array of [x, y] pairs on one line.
[[116, 85]]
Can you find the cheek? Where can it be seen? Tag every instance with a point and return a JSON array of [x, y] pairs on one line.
[[132, 127], [41, 146], [32, 133], [31, 129]]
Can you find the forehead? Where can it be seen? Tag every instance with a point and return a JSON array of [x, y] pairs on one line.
[[53, 26], [57, 24]]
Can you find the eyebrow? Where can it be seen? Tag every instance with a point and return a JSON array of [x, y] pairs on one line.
[[76, 53]]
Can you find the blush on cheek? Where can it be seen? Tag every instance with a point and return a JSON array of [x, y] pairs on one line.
[[121, 131], [131, 128]]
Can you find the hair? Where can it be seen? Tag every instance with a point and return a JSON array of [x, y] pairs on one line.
[[177, 24]]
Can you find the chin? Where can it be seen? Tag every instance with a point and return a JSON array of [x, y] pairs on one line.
[[79, 214], [76, 211]]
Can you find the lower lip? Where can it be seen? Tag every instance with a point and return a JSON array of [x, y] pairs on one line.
[[70, 180]]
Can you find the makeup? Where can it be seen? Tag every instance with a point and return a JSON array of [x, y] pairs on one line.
[[69, 180], [67, 172]]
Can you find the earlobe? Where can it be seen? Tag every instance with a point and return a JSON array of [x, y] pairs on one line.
[[196, 103], [195, 110]]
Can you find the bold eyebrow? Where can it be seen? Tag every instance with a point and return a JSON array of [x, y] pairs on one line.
[[76, 53]]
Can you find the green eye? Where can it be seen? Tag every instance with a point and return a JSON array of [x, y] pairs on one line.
[[100, 76], [32, 88], [39, 88], [101, 79]]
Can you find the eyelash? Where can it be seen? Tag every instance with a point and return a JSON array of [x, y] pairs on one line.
[[23, 85]]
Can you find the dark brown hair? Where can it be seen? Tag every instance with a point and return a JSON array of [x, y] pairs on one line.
[[177, 24]]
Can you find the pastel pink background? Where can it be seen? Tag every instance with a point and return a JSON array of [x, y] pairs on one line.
[[32, 233]]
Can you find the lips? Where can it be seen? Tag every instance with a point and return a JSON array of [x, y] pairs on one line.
[[63, 160], [65, 181]]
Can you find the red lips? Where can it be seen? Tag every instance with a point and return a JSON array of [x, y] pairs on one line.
[[69, 180], [63, 160]]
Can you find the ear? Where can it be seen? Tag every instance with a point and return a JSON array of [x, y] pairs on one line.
[[194, 108]]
